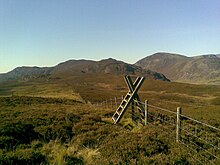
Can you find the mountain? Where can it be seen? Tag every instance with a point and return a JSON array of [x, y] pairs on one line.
[[25, 73], [198, 69], [77, 67]]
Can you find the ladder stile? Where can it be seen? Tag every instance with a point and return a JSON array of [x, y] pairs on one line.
[[132, 93]]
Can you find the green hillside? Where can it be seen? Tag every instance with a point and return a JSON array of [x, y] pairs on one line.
[[57, 122]]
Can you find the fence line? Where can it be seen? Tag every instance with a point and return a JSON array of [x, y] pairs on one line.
[[201, 138]]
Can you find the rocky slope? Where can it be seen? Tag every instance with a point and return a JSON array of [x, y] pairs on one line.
[[198, 69]]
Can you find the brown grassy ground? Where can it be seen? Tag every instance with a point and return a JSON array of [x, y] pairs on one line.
[[63, 127]]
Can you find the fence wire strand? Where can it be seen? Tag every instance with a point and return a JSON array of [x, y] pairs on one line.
[[200, 139], [199, 122]]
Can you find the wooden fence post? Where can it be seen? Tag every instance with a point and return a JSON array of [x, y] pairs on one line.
[[145, 112], [178, 124], [116, 103]]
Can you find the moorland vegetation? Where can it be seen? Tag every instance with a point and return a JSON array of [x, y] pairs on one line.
[[40, 125]]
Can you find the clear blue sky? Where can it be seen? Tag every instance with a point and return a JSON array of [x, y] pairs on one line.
[[46, 32]]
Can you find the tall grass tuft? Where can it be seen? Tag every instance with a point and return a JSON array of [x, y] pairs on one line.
[[55, 152], [89, 155]]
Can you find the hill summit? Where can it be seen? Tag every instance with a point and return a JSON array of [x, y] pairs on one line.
[[198, 69]]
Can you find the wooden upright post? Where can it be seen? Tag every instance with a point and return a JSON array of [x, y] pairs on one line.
[[146, 112], [178, 125], [132, 110]]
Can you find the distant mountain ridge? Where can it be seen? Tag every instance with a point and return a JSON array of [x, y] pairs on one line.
[[198, 69], [76, 67], [25, 72]]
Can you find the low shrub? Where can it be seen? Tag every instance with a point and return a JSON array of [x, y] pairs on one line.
[[22, 156]]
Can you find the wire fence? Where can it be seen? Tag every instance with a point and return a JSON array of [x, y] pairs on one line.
[[201, 140]]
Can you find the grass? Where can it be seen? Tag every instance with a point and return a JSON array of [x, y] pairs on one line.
[[41, 89], [55, 123]]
